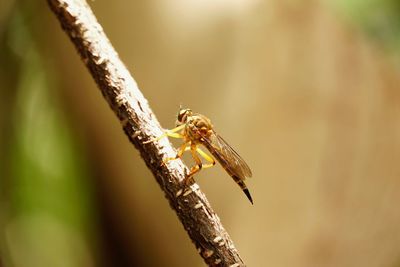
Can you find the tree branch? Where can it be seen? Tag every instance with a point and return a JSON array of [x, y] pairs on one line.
[[140, 124]]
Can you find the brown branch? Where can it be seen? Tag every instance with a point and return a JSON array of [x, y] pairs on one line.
[[140, 124]]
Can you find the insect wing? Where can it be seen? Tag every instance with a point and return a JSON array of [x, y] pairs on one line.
[[227, 156]]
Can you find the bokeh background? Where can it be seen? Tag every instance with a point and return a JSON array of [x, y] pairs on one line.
[[306, 91]]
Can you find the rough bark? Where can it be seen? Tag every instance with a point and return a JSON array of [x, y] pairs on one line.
[[140, 124]]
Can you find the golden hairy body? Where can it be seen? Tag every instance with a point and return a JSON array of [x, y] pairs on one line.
[[196, 129]]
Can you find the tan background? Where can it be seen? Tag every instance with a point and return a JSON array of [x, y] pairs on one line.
[[307, 99]]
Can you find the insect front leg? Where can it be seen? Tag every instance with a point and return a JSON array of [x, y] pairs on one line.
[[171, 133]]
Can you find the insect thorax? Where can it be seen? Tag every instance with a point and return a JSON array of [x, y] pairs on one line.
[[198, 127]]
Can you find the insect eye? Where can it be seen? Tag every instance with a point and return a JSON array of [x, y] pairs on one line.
[[182, 115]]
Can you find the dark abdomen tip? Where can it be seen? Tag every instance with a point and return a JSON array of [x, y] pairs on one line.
[[246, 191]]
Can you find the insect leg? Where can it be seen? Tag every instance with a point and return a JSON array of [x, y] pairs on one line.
[[175, 135], [171, 133], [195, 169], [206, 157], [184, 147]]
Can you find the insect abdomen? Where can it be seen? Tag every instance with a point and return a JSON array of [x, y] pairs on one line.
[[243, 187]]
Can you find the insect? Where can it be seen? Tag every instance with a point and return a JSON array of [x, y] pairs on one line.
[[195, 130]]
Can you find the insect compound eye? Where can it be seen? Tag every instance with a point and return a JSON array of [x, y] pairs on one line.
[[182, 115]]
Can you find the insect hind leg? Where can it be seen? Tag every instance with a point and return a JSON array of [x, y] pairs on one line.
[[206, 157]]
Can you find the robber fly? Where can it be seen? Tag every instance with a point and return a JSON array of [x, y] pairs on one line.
[[196, 129]]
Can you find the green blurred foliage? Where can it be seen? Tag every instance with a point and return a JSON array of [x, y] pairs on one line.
[[46, 211], [379, 18]]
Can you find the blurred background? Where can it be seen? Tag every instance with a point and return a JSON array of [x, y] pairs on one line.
[[306, 91]]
